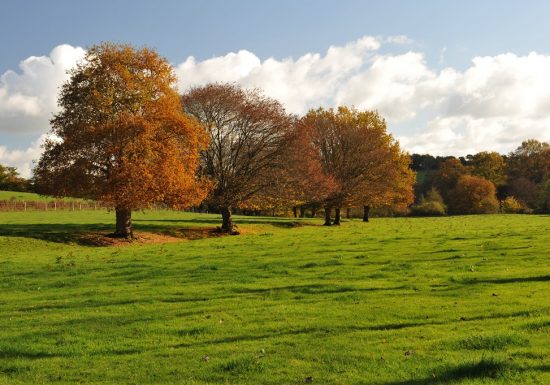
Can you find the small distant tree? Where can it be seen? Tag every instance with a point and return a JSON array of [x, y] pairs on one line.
[[10, 179], [511, 205], [120, 136], [474, 195], [248, 134], [430, 205]]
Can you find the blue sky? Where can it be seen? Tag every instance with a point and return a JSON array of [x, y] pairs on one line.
[[274, 28], [415, 61]]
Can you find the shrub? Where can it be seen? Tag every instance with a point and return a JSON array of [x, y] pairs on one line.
[[474, 195], [431, 205], [512, 206]]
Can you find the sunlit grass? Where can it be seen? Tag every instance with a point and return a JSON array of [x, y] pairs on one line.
[[395, 301]]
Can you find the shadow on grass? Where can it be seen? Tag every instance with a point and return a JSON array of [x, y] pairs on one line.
[[539, 278], [13, 353], [328, 330], [96, 234], [238, 220], [483, 369], [311, 289]]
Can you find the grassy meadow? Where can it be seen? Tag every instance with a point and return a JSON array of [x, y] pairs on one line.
[[421, 301], [27, 196]]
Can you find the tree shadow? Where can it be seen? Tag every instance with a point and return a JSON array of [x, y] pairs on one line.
[[324, 330], [539, 278], [15, 353], [311, 289], [52, 232], [483, 369], [238, 220], [97, 234]]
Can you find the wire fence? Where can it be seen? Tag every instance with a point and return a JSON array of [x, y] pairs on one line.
[[54, 205]]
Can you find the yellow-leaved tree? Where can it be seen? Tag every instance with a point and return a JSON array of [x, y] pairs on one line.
[[365, 162]]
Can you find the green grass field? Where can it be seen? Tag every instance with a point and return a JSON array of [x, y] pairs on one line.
[[421, 301], [26, 196]]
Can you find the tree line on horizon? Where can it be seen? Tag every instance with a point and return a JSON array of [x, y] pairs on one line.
[[486, 182], [125, 137]]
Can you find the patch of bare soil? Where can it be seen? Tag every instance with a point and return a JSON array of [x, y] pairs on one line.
[[145, 237]]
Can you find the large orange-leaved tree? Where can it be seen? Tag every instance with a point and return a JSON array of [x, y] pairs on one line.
[[120, 136]]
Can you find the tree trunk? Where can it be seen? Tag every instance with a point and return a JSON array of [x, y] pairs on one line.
[[327, 216], [302, 211], [366, 210], [123, 223], [337, 216], [295, 211], [227, 221], [313, 212], [348, 212]]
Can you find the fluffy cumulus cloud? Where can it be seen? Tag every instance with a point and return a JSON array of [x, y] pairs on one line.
[[28, 97], [22, 159], [311, 80], [493, 105]]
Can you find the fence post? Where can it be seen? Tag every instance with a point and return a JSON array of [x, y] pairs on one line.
[[25, 205]]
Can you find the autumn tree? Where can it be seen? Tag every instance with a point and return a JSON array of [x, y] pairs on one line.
[[11, 180], [248, 133], [120, 136], [489, 165], [446, 178], [543, 196], [525, 190], [511, 205], [531, 160], [305, 182], [474, 195], [392, 187], [431, 204], [355, 150]]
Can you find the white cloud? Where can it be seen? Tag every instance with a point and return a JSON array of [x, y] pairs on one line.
[[28, 97], [493, 105], [22, 159], [310, 80]]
